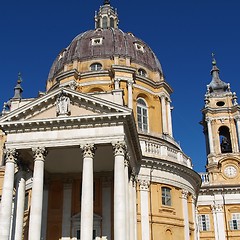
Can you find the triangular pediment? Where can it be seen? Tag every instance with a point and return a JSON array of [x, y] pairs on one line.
[[64, 103]]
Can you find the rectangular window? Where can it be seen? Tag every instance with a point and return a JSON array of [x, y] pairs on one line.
[[166, 196], [234, 224], [204, 222]]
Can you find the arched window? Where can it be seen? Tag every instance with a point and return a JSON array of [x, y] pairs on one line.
[[166, 196], [96, 67], [225, 140], [142, 115], [104, 22], [111, 22], [142, 72]]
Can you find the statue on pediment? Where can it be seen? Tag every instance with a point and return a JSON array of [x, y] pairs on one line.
[[63, 105]]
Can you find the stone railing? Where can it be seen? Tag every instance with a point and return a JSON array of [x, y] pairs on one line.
[[205, 178], [156, 149]]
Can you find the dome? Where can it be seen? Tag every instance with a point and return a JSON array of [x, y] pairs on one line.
[[104, 44]]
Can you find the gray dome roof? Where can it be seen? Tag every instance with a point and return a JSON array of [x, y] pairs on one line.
[[114, 42]]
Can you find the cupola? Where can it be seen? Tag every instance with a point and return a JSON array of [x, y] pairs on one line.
[[106, 17]]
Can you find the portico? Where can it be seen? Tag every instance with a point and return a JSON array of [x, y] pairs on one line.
[[82, 151]]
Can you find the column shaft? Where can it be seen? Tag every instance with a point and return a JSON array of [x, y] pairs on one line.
[[185, 213], [20, 202], [7, 195], [238, 130], [132, 207], [87, 193], [119, 193], [130, 95], [135, 209], [210, 136], [169, 118], [127, 199], [194, 216], [35, 222], [164, 115]]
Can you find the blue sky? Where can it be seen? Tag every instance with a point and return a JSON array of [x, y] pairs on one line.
[[183, 34]]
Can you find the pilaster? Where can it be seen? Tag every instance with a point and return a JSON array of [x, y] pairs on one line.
[[144, 189]]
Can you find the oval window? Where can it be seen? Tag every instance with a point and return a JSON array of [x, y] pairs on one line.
[[220, 103]]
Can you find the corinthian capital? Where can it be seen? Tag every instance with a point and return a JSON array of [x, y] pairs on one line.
[[11, 155], [88, 150], [119, 148], [144, 185], [39, 153], [184, 194], [217, 208], [208, 119]]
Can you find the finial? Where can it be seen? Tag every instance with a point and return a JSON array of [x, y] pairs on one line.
[[18, 89], [214, 62], [106, 2]]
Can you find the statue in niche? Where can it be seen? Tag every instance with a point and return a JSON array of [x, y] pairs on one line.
[[225, 145], [63, 105]]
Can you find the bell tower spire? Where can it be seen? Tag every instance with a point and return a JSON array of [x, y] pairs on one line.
[[106, 17], [221, 124]]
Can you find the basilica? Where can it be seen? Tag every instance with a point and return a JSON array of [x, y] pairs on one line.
[[94, 157]]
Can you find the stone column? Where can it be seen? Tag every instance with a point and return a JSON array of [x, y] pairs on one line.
[[237, 119], [87, 193], [7, 194], [169, 118], [164, 114], [106, 207], [119, 192], [35, 222], [210, 135], [144, 189], [219, 222], [67, 205], [127, 198], [19, 207], [185, 213], [132, 208], [130, 94]]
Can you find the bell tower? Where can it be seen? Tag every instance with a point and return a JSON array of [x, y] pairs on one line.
[[221, 125]]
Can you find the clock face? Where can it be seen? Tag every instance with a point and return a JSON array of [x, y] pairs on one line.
[[230, 171]]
